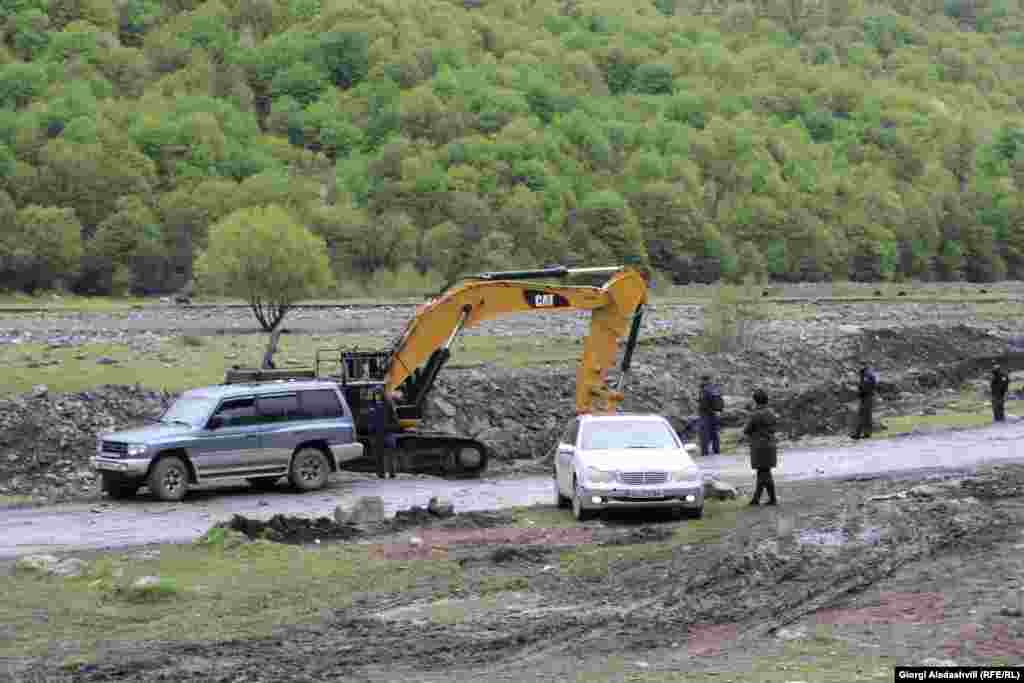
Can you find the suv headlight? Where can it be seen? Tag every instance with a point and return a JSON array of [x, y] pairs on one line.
[[135, 449], [599, 476], [685, 475]]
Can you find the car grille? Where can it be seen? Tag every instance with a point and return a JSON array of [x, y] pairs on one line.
[[637, 478], [115, 447]]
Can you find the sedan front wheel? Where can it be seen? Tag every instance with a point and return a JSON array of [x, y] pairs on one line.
[[578, 511]]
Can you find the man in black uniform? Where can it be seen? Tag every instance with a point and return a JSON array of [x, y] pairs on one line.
[[866, 393], [763, 449], [1000, 385], [383, 423], [709, 402]]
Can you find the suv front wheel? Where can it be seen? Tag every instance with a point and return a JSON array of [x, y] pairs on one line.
[[309, 469], [168, 480]]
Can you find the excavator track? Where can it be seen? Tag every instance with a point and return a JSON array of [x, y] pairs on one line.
[[444, 455]]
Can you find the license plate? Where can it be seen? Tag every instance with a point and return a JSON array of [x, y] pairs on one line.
[[637, 493]]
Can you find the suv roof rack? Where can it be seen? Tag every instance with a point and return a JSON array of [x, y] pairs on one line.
[[258, 376]]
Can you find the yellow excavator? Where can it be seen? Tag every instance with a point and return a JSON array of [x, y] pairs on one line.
[[411, 366]]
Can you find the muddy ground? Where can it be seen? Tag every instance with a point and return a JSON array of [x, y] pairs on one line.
[[896, 570]]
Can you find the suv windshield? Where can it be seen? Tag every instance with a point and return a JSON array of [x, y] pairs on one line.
[[190, 411], [621, 434]]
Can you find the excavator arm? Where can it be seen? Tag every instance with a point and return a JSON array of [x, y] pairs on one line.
[[425, 344]]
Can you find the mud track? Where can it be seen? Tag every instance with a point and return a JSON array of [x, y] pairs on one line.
[[770, 569]]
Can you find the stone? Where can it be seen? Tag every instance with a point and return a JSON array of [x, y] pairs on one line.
[[145, 582], [106, 360], [71, 568], [719, 490], [933, 661], [440, 507], [366, 510], [925, 491], [41, 564], [40, 390]]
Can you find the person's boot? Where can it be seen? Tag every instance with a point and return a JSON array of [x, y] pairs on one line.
[[756, 500], [771, 493]]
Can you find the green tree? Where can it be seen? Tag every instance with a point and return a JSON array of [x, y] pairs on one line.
[[20, 83], [266, 255], [345, 57], [42, 248]]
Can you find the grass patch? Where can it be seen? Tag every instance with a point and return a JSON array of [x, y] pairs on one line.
[[905, 424], [490, 585], [193, 361], [9, 501], [597, 561], [542, 517], [205, 592], [821, 660]]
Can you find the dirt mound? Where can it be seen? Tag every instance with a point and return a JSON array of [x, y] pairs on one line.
[[519, 554], [927, 346], [293, 530], [46, 440]]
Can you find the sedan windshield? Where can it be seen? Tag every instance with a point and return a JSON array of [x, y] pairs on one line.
[[622, 434], [190, 411]]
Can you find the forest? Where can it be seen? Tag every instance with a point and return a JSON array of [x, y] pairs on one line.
[[775, 139]]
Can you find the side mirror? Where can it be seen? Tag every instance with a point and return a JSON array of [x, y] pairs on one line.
[[690, 449], [216, 422]]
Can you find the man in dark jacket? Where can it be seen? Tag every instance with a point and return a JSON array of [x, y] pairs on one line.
[[1000, 385], [706, 400], [383, 423], [866, 385], [760, 430]]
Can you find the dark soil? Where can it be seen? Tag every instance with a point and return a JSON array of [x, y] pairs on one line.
[[826, 545]]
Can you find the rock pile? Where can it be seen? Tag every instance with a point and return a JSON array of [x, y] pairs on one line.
[[46, 439]]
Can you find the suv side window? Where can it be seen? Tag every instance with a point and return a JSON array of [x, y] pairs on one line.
[[320, 404], [278, 408], [238, 412]]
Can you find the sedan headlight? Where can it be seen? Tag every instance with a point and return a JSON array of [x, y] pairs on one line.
[[599, 476], [685, 475], [135, 449]]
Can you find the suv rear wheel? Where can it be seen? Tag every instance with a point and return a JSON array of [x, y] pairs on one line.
[[168, 480], [116, 487], [309, 469]]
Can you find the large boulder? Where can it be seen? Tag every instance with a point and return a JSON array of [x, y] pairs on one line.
[[440, 507], [366, 510]]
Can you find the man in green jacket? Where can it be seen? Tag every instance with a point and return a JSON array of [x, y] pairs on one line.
[[760, 430]]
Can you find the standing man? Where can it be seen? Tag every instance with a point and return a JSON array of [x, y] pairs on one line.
[[760, 430], [710, 403], [1000, 385], [866, 385], [383, 422]]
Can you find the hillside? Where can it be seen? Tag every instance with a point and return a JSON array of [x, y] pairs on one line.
[[782, 138]]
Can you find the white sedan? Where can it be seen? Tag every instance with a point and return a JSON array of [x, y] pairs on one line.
[[625, 461]]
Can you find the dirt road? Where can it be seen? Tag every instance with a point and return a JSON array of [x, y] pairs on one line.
[[143, 521]]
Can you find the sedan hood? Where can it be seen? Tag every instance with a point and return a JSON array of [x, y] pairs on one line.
[[638, 459], [147, 434]]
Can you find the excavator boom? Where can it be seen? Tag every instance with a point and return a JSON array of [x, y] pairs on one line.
[[424, 345]]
